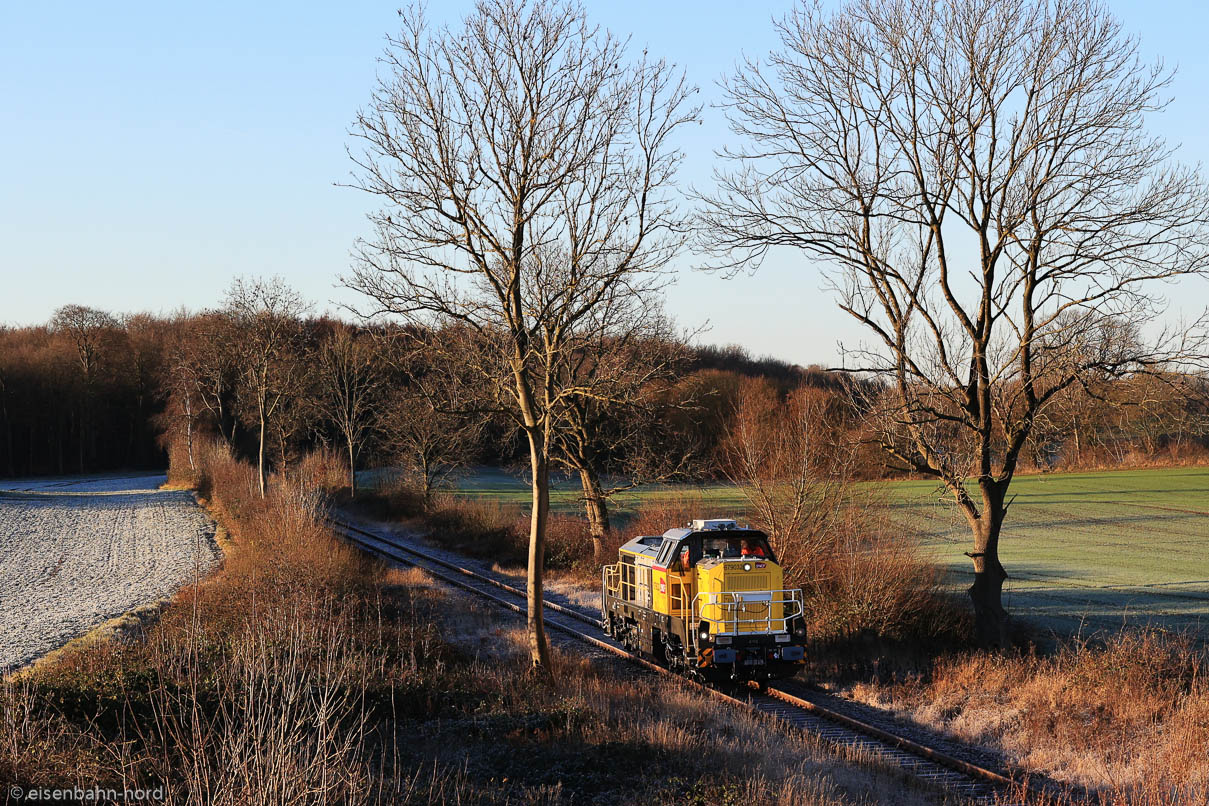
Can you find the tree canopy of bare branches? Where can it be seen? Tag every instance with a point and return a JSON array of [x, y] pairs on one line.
[[614, 425], [977, 179], [525, 168], [88, 329], [791, 464], [349, 375], [266, 319]]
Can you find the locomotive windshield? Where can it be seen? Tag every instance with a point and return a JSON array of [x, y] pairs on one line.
[[737, 547]]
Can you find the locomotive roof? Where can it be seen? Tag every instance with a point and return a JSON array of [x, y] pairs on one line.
[[684, 531], [644, 544], [649, 544]]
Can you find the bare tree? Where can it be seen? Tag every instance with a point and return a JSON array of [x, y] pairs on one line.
[[349, 379], [181, 385], [87, 328], [978, 180], [430, 435], [612, 427], [266, 315], [524, 165], [788, 459]]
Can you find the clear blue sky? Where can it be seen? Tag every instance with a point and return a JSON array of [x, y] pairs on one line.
[[152, 151]]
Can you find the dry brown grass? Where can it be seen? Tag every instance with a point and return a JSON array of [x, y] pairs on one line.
[[302, 672], [868, 578], [323, 469], [607, 734], [1130, 718], [492, 530], [656, 515], [1187, 454]]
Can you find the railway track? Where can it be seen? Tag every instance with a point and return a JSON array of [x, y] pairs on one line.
[[844, 732]]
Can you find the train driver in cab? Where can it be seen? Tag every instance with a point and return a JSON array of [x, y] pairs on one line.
[[746, 549]]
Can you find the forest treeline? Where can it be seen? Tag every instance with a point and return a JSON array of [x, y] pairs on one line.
[[95, 391]]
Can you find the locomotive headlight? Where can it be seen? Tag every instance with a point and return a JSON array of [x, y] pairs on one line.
[[746, 566], [703, 633], [799, 630]]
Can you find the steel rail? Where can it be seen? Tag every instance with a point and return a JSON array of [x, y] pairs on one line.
[[921, 761]]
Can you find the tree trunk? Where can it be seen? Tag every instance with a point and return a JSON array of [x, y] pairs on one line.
[[539, 650], [990, 618], [189, 432], [352, 470], [260, 459], [9, 460], [81, 443], [598, 512]]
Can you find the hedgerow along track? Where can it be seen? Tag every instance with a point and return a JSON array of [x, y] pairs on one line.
[[843, 732]]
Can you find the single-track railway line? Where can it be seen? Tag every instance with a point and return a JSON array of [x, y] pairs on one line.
[[842, 731]]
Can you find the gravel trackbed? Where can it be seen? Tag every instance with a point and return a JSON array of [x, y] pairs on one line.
[[74, 553]]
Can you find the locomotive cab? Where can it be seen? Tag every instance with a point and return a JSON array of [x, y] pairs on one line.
[[708, 599]]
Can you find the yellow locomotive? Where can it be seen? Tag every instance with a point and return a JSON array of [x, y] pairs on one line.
[[706, 600]]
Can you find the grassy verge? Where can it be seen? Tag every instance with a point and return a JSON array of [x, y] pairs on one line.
[[598, 732], [1129, 718]]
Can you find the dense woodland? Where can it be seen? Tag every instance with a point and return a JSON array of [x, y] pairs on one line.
[[93, 391]]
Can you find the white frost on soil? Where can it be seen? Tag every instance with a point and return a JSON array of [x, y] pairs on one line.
[[95, 484], [77, 552]]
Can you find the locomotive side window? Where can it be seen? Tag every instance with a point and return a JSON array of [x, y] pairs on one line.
[[665, 552], [627, 579]]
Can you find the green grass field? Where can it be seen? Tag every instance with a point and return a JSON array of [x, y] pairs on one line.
[[1086, 552]]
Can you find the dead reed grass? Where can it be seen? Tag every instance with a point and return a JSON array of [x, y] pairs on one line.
[[254, 686], [487, 529], [605, 734]]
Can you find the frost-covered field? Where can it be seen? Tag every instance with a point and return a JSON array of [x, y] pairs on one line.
[[76, 552], [92, 484]]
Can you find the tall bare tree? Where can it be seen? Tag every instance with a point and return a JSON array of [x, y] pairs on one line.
[[525, 166], [266, 317], [349, 377], [977, 178], [181, 384], [433, 417]]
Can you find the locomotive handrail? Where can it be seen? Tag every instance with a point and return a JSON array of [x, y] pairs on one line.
[[615, 584], [736, 604], [610, 578]]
